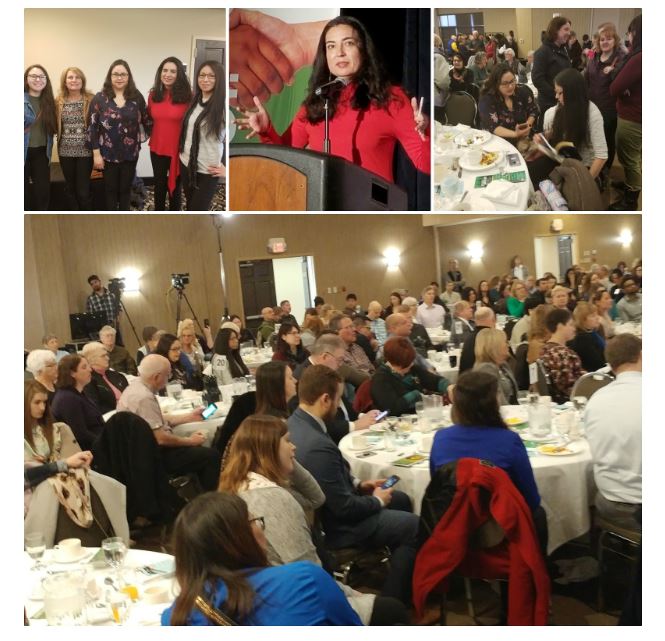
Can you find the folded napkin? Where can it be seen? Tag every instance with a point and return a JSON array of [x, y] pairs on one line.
[[501, 191]]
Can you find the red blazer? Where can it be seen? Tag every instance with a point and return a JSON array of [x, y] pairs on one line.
[[517, 558]]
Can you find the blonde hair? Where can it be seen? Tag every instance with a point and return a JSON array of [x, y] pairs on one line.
[[488, 345], [582, 312], [188, 323], [90, 351], [515, 284], [64, 92], [611, 30]]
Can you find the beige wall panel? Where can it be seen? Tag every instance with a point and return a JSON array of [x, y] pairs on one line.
[[32, 310], [503, 239]]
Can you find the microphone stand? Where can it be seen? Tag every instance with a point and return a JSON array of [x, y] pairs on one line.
[[326, 127]]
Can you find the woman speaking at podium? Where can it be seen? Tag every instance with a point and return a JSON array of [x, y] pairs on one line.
[[367, 114]]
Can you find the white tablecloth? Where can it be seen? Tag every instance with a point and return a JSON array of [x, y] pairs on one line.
[[628, 328], [141, 613], [208, 427], [469, 177], [565, 483]]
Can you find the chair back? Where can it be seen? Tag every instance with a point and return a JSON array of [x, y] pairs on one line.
[[363, 399], [588, 384], [527, 88], [544, 382], [440, 114], [461, 108]]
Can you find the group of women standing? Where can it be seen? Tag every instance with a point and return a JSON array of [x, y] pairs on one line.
[[105, 131]]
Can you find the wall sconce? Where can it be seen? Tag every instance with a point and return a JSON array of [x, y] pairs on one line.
[[132, 277], [476, 250], [392, 258], [626, 237], [227, 214]]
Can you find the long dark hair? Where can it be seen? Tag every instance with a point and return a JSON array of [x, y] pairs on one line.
[[236, 364], [635, 27], [181, 92], [571, 119], [213, 540], [32, 388], [491, 86], [281, 345], [130, 92], [372, 83], [162, 348], [554, 26], [270, 392], [46, 103], [214, 108], [475, 401]]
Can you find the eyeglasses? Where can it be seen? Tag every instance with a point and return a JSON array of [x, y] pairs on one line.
[[260, 520], [339, 359], [507, 83], [175, 349], [33, 76], [206, 76], [295, 332], [119, 75]]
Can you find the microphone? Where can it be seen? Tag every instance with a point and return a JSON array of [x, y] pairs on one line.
[[319, 90]]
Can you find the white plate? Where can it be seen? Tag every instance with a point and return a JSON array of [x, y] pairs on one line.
[[464, 163], [360, 449], [526, 435], [571, 449], [480, 137], [84, 553]]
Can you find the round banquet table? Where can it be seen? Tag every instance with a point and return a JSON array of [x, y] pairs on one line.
[[140, 612], [565, 483], [628, 328], [193, 399], [472, 202]]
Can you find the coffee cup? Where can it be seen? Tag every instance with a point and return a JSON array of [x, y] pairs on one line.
[[426, 442], [67, 550], [473, 156], [431, 355], [156, 594], [358, 441]]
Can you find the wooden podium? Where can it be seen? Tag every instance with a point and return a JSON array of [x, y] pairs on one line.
[[276, 178]]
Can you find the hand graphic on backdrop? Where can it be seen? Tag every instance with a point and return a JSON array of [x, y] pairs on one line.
[[266, 52]]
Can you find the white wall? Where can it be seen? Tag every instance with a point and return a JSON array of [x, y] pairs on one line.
[[289, 284], [92, 39]]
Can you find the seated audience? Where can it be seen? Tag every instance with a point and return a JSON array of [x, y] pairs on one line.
[[521, 328], [538, 333], [105, 386], [630, 305], [398, 384], [358, 366], [182, 372], [419, 336], [515, 65], [461, 78], [266, 328], [492, 352], [356, 513], [365, 337], [479, 69], [484, 293], [391, 308], [192, 351], [559, 296], [561, 363], [484, 317], [262, 470], [180, 454], [311, 330], [119, 358], [515, 302], [430, 315], [478, 431], [51, 342], [245, 336], [220, 557], [450, 296], [400, 325], [71, 406], [43, 366], [613, 422], [285, 314], [506, 109], [589, 343], [226, 363], [288, 347], [150, 336], [602, 299], [470, 295], [275, 387], [462, 325], [351, 307]]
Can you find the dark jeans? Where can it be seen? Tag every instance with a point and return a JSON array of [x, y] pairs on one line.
[[160, 171], [540, 169], [36, 169], [118, 177], [77, 177], [610, 128], [202, 461], [398, 530], [389, 611], [199, 198]]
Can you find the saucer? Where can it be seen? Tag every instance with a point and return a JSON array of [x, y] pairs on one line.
[[360, 449]]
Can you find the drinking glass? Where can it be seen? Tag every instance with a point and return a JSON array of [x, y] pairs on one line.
[[523, 397], [35, 546], [120, 604], [115, 551], [64, 600], [174, 390]]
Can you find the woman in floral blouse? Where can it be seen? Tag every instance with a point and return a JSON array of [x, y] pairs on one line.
[[562, 364], [506, 109], [118, 125]]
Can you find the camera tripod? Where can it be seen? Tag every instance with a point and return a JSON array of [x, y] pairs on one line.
[[122, 307], [180, 292]]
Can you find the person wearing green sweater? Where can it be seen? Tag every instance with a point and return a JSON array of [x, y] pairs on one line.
[[515, 302]]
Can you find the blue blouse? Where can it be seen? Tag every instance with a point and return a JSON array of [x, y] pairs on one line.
[[118, 131], [298, 593], [501, 446]]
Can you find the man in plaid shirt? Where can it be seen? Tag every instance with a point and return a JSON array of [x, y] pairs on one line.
[[102, 300]]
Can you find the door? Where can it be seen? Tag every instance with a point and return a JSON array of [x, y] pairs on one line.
[[555, 254], [565, 250], [207, 49], [257, 282]]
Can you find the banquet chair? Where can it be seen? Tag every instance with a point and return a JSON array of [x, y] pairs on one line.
[[440, 114], [588, 384], [623, 538], [362, 401], [544, 383], [527, 88], [461, 108]]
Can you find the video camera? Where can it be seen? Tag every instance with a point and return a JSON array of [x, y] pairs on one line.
[[178, 281], [117, 286]]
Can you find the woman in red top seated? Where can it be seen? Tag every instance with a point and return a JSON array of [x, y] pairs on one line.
[[167, 104], [368, 115]]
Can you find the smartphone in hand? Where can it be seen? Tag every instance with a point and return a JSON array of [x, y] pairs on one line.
[[390, 482]]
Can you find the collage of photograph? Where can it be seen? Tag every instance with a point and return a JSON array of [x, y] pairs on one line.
[[332, 316]]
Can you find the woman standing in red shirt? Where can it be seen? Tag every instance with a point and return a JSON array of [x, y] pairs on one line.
[[167, 104]]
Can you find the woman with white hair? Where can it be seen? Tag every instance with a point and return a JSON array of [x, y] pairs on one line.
[[191, 348], [106, 385], [515, 65], [43, 366], [491, 353]]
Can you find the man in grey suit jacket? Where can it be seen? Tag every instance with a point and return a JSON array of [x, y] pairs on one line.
[[356, 513]]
